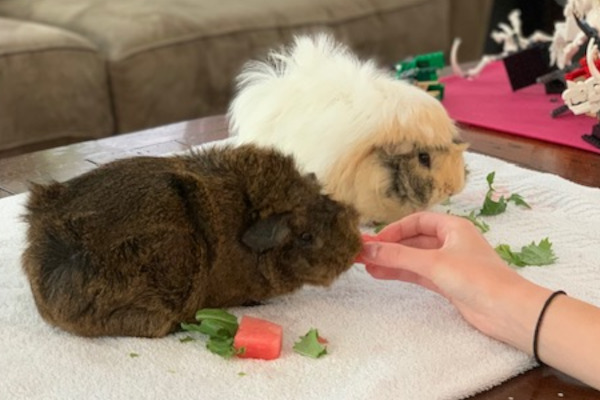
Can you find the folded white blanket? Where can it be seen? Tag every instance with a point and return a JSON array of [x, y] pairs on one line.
[[387, 340]]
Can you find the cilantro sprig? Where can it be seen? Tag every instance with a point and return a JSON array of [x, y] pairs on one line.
[[379, 227], [478, 222], [495, 207], [220, 327], [492, 207], [310, 346], [532, 254]]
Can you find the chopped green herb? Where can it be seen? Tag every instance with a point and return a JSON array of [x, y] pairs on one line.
[[133, 355], [532, 254], [518, 200], [216, 317], [190, 327], [379, 227], [217, 328], [222, 346], [216, 313], [493, 207], [540, 254], [220, 327], [187, 339], [507, 255], [309, 345], [480, 224], [241, 373]]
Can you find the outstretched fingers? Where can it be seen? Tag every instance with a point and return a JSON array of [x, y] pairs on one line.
[[398, 256], [386, 273], [421, 224]]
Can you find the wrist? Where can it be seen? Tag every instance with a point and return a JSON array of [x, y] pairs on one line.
[[518, 314]]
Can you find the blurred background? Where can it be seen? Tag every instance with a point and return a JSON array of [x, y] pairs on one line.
[[535, 15]]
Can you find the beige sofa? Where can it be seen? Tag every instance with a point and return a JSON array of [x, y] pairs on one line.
[[93, 68]]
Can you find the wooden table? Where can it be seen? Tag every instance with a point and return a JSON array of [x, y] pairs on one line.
[[64, 162]]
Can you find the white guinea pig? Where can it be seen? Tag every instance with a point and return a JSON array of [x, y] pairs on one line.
[[378, 143]]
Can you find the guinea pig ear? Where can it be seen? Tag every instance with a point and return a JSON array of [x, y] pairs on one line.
[[267, 233], [459, 145]]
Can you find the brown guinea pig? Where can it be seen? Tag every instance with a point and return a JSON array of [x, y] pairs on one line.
[[136, 246]]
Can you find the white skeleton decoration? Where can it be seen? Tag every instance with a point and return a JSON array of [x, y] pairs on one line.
[[512, 40], [583, 97], [568, 38]]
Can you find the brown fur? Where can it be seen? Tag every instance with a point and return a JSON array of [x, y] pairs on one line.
[[136, 246]]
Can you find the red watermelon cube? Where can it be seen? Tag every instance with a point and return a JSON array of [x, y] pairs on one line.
[[259, 338]]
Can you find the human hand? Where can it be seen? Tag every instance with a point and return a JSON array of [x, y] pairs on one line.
[[448, 255]]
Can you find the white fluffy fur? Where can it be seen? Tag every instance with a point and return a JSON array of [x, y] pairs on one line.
[[345, 120], [316, 99]]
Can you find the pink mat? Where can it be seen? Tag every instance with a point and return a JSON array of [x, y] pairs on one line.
[[488, 102]]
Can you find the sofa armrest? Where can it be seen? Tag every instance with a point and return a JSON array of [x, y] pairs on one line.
[[53, 85]]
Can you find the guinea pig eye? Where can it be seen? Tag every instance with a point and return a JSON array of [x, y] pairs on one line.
[[425, 160], [306, 237]]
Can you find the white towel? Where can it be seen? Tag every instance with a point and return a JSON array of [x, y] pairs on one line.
[[387, 340]]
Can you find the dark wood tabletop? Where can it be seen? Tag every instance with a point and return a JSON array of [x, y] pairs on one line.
[[64, 162]]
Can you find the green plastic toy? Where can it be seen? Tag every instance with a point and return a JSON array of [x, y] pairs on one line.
[[422, 71]]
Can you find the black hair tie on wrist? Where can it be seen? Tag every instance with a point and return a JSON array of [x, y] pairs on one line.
[[536, 333]]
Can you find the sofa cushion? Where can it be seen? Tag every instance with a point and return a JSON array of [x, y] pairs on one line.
[[49, 79], [125, 28], [172, 60]]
